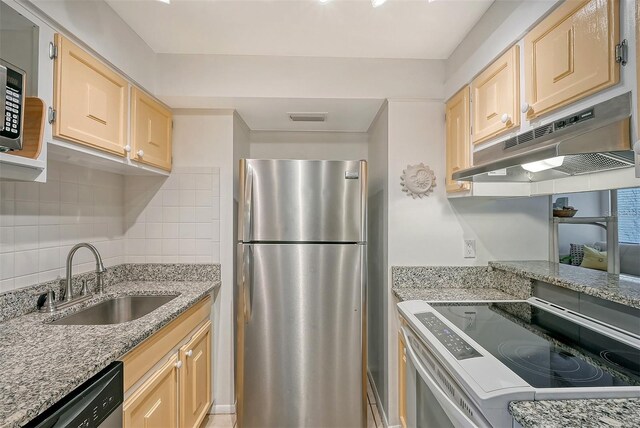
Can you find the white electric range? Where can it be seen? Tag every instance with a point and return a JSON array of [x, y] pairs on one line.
[[467, 360]]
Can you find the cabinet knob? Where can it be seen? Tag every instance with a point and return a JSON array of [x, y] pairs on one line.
[[127, 148], [636, 147], [140, 153], [525, 107], [189, 353], [178, 364], [505, 118]]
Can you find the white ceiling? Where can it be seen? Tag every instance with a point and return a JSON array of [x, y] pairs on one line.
[[270, 114], [339, 28]]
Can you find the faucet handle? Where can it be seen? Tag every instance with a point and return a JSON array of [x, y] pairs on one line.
[[46, 302], [84, 290]]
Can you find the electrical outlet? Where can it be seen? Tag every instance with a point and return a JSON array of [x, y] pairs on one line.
[[469, 248]]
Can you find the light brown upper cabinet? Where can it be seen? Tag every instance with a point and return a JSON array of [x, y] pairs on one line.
[[195, 379], [151, 128], [90, 100], [495, 96], [458, 146], [571, 54]]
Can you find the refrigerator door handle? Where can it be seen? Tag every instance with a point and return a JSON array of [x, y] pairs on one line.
[[247, 283], [247, 209]]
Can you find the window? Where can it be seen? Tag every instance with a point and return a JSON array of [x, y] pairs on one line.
[[629, 216]]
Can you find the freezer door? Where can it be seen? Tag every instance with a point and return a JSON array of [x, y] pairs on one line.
[[302, 201], [301, 360]]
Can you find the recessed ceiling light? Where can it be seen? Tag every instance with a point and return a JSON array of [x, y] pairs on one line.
[[376, 3], [324, 1], [165, 1]]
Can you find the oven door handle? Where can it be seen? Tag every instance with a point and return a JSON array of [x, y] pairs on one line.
[[456, 415]]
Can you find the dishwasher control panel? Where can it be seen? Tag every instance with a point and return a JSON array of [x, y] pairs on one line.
[[88, 405], [457, 346]]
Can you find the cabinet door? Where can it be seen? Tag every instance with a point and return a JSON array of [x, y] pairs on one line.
[[195, 378], [402, 376], [495, 96], [155, 403], [571, 54], [90, 100], [457, 144], [151, 128]]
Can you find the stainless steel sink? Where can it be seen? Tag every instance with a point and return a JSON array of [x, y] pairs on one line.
[[116, 311]]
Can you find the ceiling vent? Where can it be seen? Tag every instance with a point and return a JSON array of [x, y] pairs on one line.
[[308, 117]]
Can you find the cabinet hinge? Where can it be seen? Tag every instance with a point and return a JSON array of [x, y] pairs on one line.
[[51, 117], [622, 52], [53, 51]]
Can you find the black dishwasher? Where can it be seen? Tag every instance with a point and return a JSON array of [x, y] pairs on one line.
[[97, 402]]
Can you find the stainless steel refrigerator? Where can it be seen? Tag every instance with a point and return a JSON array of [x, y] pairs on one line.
[[300, 294]]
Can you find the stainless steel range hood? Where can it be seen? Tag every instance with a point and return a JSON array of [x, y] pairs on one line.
[[595, 139]]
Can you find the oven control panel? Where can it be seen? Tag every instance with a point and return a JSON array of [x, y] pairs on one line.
[[457, 346]]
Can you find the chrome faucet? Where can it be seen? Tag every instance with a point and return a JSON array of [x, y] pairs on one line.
[[100, 270]]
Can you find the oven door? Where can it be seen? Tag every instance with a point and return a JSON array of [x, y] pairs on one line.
[[428, 405]]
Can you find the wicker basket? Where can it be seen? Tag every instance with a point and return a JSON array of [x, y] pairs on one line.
[[564, 213]]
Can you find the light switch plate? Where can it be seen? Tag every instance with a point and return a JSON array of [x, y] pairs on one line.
[[469, 248]]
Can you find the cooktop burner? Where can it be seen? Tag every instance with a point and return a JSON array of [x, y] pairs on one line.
[[543, 349], [548, 363]]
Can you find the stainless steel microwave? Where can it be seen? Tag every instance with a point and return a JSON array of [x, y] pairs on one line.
[[12, 94]]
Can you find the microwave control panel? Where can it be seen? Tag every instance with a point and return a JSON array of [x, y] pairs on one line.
[[13, 102]]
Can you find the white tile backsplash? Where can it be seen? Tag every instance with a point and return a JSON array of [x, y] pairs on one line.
[[135, 219], [174, 219], [39, 222]]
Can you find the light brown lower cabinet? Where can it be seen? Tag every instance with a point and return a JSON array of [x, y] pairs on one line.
[[155, 403], [176, 393], [402, 387], [195, 378]]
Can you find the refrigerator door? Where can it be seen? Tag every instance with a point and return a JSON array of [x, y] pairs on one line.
[[301, 360], [302, 201]]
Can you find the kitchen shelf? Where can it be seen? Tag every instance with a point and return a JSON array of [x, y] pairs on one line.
[[14, 167], [582, 220], [609, 223]]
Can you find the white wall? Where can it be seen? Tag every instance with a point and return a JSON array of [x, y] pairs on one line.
[[40, 222], [431, 231], [101, 29], [204, 139], [377, 251], [296, 77], [309, 145]]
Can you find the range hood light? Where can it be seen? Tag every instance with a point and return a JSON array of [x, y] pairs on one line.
[[544, 164]]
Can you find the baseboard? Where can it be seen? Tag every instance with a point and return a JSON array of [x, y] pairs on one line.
[[381, 412], [222, 409]]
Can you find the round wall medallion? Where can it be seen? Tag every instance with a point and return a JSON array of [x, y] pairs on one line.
[[418, 180]]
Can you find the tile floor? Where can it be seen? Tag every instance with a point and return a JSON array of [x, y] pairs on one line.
[[229, 421]]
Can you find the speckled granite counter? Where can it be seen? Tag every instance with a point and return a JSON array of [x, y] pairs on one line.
[[616, 288], [41, 363], [449, 294], [577, 413], [457, 283]]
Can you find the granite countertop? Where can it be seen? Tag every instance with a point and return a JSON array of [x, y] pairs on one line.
[[41, 363], [450, 294], [599, 413], [621, 289]]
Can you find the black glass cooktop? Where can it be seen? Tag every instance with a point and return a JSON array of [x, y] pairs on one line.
[[545, 350]]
